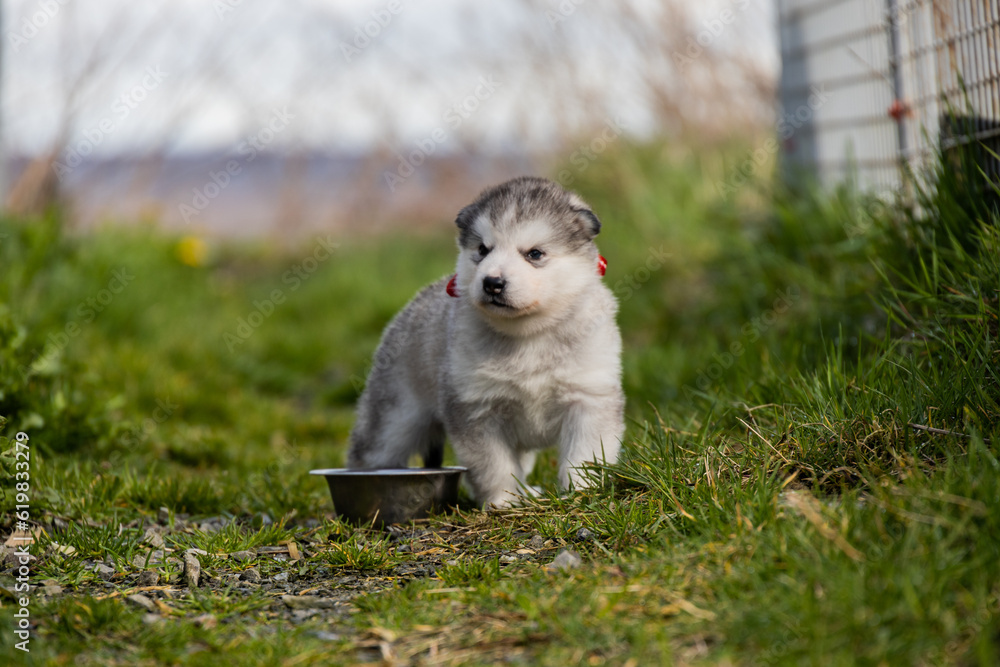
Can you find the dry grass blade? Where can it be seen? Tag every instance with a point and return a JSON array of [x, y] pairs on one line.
[[812, 510]]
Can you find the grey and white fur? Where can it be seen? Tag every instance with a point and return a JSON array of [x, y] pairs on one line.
[[528, 356]]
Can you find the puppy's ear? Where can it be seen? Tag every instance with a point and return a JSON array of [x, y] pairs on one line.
[[464, 220], [465, 217], [591, 223]]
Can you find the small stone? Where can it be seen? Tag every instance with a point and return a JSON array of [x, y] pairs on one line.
[[243, 556], [63, 550], [507, 558], [51, 589], [215, 523], [584, 534], [16, 558], [163, 515], [566, 559], [404, 548], [140, 600], [272, 550], [251, 576], [300, 615], [325, 636], [148, 578], [196, 552], [265, 519], [280, 577], [103, 571], [150, 619], [206, 621], [192, 570], [307, 602], [536, 542], [153, 538]]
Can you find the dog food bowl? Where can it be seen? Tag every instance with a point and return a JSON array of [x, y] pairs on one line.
[[391, 495]]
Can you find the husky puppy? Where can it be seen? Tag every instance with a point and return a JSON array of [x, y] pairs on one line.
[[517, 352]]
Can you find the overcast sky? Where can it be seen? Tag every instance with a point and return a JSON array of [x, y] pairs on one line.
[[205, 74]]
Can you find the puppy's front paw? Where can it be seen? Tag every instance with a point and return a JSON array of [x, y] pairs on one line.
[[500, 502], [508, 498]]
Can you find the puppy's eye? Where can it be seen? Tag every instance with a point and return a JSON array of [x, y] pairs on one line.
[[483, 250], [534, 254]]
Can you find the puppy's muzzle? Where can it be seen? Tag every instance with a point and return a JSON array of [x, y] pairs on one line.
[[494, 285]]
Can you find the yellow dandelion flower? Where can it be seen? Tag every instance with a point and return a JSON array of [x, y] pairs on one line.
[[191, 250]]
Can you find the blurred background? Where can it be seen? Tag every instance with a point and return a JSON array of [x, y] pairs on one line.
[[215, 207], [252, 118]]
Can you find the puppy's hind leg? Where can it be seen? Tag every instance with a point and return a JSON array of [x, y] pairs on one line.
[[392, 426]]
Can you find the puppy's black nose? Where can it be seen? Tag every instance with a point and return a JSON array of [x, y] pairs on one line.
[[493, 285]]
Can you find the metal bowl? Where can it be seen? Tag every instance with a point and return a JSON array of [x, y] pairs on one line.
[[391, 495]]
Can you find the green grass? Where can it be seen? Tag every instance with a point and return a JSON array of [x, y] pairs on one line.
[[809, 476]]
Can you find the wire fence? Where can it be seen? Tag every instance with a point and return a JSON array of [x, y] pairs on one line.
[[888, 83]]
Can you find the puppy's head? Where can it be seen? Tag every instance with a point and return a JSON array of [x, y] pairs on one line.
[[526, 254]]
